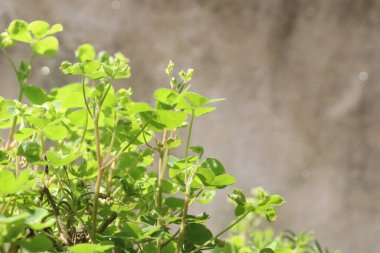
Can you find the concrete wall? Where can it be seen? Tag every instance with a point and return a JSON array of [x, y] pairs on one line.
[[302, 86]]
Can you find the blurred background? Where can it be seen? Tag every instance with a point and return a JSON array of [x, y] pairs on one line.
[[302, 115]]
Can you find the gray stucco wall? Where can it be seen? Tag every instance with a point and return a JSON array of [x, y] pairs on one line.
[[301, 78]]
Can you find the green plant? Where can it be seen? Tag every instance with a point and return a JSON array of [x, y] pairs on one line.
[[245, 237], [86, 169]]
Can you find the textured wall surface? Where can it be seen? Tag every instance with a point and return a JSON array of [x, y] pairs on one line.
[[301, 78]]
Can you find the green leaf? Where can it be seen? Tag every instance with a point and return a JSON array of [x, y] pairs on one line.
[[171, 119], [60, 160], [131, 230], [9, 183], [55, 132], [18, 30], [37, 121], [37, 217], [240, 210], [6, 40], [127, 160], [85, 52], [14, 218], [223, 180], [74, 101], [36, 95], [30, 150], [196, 100], [90, 248], [23, 70], [214, 165], [38, 243], [197, 233], [197, 149], [92, 69], [68, 68], [166, 96], [201, 111], [46, 47], [38, 28], [206, 175], [285, 251], [138, 107], [162, 119], [238, 197], [54, 29], [12, 110], [86, 170], [23, 134], [174, 203], [267, 250], [271, 214], [206, 197], [41, 29], [275, 200]]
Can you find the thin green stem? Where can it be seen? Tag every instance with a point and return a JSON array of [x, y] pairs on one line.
[[163, 161], [99, 176], [112, 138], [84, 134], [21, 84], [221, 232], [14, 123], [85, 97], [170, 239], [9, 59], [117, 156], [181, 235], [6, 204], [106, 93]]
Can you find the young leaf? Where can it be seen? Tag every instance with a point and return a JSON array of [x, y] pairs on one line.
[[9, 183], [38, 243], [30, 150], [60, 160], [6, 40], [197, 233], [46, 47], [214, 165], [36, 95], [85, 52], [38, 28], [223, 180], [90, 248], [55, 132], [23, 134], [18, 30]]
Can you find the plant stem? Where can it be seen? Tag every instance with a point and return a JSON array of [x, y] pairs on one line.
[[20, 93], [99, 176], [61, 226], [83, 135], [85, 97], [112, 138], [161, 173], [181, 235], [14, 123], [7, 204], [114, 159]]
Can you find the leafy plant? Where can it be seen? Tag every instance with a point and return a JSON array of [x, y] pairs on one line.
[[245, 237], [87, 169]]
